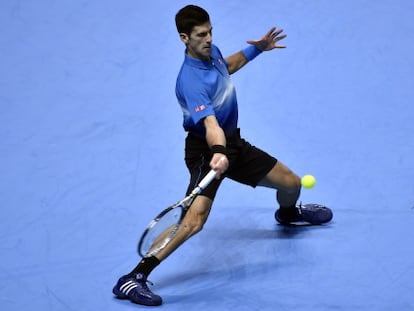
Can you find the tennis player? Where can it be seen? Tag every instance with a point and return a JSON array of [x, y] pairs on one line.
[[207, 97]]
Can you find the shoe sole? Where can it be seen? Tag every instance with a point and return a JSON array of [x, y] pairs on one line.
[[121, 296]]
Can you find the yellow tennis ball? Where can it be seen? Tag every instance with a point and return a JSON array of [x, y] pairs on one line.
[[308, 181]]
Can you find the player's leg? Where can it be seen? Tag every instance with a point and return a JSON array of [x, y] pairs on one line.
[[287, 183], [288, 187], [255, 167], [193, 222], [133, 285], [197, 160]]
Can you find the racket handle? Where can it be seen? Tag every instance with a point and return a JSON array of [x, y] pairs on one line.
[[207, 180]]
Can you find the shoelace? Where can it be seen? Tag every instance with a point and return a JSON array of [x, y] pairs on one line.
[[300, 208], [141, 279]]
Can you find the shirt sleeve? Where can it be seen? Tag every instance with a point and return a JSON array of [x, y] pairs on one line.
[[195, 96]]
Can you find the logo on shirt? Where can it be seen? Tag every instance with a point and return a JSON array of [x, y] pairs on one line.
[[200, 108]]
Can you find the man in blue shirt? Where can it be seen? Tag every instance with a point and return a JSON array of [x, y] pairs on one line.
[[204, 88], [208, 101]]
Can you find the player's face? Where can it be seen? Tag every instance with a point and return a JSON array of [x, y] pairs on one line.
[[199, 42]]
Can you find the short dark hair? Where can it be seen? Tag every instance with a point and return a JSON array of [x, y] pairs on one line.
[[189, 17]]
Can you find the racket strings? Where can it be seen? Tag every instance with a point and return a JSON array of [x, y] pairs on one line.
[[162, 231]]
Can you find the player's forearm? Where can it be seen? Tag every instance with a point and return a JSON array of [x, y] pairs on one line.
[[217, 141], [239, 59], [214, 133], [235, 62]]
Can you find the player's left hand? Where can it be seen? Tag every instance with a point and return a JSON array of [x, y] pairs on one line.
[[269, 40]]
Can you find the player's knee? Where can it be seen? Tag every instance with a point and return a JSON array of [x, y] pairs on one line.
[[193, 226], [293, 184], [197, 227], [297, 183]]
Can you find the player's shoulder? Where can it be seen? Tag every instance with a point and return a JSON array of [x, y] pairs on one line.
[[190, 79]]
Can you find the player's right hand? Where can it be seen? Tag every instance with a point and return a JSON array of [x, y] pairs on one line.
[[219, 163]]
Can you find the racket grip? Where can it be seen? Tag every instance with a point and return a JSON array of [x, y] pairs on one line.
[[207, 180]]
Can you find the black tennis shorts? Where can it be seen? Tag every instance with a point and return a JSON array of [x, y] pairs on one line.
[[247, 164]]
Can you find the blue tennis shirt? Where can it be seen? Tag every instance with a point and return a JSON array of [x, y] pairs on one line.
[[205, 88]]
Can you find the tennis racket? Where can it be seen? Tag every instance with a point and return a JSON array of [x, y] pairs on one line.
[[163, 228]]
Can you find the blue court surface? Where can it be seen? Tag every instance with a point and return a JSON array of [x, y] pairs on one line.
[[91, 148]]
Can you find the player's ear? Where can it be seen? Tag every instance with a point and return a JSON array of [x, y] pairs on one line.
[[184, 37]]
